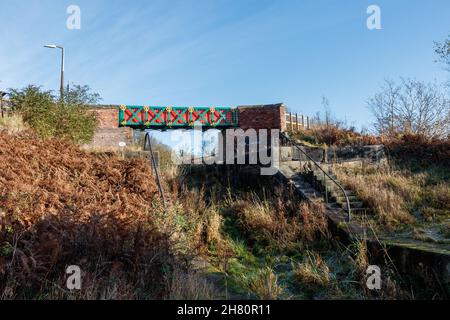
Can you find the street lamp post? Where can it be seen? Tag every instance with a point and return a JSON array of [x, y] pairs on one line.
[[52, 46]]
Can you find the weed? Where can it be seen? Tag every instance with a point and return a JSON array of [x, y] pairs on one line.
[[264, 284], [314, 220], [12, 124], [184, 285], [313, 271]]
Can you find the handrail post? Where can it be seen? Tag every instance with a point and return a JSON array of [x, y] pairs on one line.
[[158, 180], [349, 216], [300, 155]]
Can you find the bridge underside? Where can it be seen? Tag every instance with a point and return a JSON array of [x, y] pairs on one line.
[[161, 118]]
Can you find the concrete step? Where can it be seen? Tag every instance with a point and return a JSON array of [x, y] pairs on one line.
[[352, 205], [335, 211], [331, 185], [354, 211], [328, 181], [321, 176], [340, 198], [336, 192]]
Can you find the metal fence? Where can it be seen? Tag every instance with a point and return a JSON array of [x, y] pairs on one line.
[[296, 122]]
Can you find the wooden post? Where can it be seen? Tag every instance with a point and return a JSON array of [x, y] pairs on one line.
[[296, 122], [303, 122], [307, 122], [290, 121]]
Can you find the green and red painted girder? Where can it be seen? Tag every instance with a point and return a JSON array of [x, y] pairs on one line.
[[153, 117]]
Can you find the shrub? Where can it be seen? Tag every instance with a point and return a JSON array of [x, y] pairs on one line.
[[334, 135], [421, 149], [69, 119], [37, 109], [60, 206], [75, 123]]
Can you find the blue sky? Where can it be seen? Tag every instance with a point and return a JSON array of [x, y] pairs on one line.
[[225, 52]]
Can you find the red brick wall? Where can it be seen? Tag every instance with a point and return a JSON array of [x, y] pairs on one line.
[[262, 117], [107, 117], [109, 138], [108, 134]]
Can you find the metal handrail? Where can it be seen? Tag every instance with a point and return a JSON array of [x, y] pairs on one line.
[[295, 144], [147, 141]]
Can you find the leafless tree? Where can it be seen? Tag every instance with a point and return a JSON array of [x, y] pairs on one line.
[[327, 111], [443, 51], [384, 107], [411, 106]]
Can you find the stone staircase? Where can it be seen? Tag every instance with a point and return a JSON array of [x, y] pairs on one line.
[[314, 185], [333, 194]]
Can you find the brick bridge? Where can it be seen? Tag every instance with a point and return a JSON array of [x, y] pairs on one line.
[[116, 123]]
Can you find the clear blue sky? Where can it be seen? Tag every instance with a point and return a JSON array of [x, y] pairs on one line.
[[215, 52]]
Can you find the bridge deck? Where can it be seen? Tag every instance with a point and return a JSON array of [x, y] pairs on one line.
[[158, 117]]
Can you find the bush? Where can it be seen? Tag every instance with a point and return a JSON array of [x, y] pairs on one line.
[[69, 119], [335, 135], [420, 148], [96, 211]]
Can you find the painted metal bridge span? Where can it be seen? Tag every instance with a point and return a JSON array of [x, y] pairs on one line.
[[158, 117]]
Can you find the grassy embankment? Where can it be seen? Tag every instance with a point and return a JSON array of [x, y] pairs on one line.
[[63, 206], [409, 194]]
